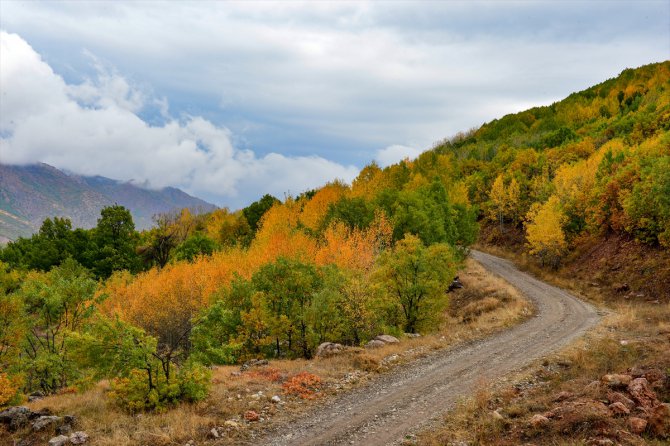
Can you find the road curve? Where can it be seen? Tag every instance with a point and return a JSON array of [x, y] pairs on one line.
[[406, 399]]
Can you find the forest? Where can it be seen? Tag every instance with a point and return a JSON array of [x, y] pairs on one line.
[[152, 310]]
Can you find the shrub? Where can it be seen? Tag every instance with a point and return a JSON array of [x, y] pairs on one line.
[[9, 389], [304, 384], [145, 391]]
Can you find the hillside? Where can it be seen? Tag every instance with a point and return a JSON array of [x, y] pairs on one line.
[[29, 194]]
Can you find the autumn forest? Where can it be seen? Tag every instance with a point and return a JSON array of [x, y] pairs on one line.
[[151, 311]]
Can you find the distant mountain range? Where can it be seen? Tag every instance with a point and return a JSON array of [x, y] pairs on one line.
[[29, 194]]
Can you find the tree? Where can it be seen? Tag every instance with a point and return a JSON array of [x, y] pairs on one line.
[[57, 304], [114, 239], [415, 277], [194, 246], [289, 287], [255, 211], [544, 232]]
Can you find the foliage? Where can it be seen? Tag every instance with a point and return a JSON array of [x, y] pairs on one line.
[[544, 232], [136, 393], [255, 211], [113, 242], [57, 304], [415, 278], [304, 384], [195, 246]]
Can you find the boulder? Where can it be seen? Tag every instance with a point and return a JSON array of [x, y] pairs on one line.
[[618, 397], [276, 399], [637, 425], [60, 440], [79, 437], [45, 421], [619, 409], [387, 339], [214, 433], [375, 344], [580, 409], [413, 335], [254, 363], [659, 420], [15, 417], [616, 380], [64, 429], [539, 421], [329, 349], [642, 393]]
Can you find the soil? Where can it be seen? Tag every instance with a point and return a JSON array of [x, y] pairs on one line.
[[399, 404]]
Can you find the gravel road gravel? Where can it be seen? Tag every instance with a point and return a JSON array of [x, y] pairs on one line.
[[407, 399]]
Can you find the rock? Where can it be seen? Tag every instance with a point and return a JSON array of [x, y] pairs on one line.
[[64, 429], [659, 420], [616, 380], [329, 349], [214, 433], [375, 344], [618, 397], [275, 399], [254, 363], [35, 396], [70, 419], [539, 421], [562, 396], [454, 285], [496, 415], [581, 409], [619, 409], [231, 424], [642, 393], [15, 417], [60, 440], [251, 415], [637, 425], [79, 437], [45, 421], [387, 339], [412, 335]]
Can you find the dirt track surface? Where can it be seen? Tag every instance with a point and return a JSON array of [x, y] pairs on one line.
[[405, 400]]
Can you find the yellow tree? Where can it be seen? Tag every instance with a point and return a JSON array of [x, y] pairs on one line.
[[544, 232]]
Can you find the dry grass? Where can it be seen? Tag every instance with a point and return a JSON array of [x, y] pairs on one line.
[[633, 335], [486, 304]]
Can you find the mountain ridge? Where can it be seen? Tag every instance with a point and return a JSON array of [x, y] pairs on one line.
[[31, 193]]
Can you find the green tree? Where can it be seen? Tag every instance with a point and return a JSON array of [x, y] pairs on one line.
[[57, 304], [114, 242], [255, 211], [416, 277], [195, 246]]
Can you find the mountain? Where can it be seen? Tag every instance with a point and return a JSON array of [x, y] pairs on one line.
[[29, 194]]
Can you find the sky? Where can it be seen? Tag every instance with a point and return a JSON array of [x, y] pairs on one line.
[[232, 100]]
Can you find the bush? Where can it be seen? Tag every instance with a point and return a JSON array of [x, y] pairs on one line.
[[9, 390], [146, 391]]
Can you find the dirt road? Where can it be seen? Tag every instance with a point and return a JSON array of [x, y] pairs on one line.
[[408, 398]]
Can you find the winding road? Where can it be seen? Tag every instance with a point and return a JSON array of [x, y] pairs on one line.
[[405, 400]]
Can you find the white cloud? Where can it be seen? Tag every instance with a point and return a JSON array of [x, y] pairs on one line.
[[395, 153], [93, 128]]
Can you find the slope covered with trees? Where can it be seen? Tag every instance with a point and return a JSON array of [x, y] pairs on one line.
[[343, 263]]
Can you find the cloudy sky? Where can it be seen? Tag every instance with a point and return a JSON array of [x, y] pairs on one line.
[[230, 100]]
